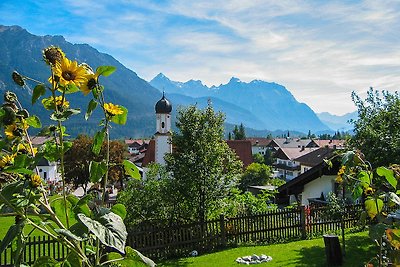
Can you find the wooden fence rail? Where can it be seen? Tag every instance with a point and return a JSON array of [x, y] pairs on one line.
[[180, 240]]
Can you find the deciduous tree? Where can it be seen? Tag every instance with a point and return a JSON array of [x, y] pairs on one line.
[[202, 166], [377, 129]]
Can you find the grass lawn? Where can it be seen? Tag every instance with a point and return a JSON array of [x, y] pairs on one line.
[[7, 221], [310, 253]]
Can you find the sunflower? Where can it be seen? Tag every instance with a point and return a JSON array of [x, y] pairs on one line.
[[339, 177], [7, 160], [25, 148], [59, 102], [90, 84], [112, 109], [52, 55], [11, 131], [68, 72], [368, 191], [35, 180]]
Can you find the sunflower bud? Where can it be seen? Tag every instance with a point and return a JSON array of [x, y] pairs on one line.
[[23, 113], [10, 97], [9, 115], [52, 55], [35, 180], [17, 78]]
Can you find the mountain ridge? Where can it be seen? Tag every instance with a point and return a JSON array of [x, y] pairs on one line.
[[264, 101]]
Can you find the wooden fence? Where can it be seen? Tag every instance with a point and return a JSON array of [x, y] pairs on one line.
[[180, 240], [273, 226]]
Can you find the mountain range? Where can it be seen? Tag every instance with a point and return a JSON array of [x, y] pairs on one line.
[[257, 104], [340, 123], [261, 106]]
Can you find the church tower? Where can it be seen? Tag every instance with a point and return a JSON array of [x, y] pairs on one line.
[[163, 126]]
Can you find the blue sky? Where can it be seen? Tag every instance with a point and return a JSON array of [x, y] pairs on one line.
[[320, 50]]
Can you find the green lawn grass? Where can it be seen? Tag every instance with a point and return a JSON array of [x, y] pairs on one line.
[[7, 221], [310, 253]]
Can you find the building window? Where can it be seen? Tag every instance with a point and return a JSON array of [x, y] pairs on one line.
[[162, 124]]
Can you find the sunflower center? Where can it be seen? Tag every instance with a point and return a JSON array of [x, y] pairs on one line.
[[91, 84], [68, 75]]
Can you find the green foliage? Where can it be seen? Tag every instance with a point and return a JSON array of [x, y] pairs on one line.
[[156, 194], [108, 227], [202, 166], [258, 158], [255, 174], [377, 129], [238, 203], [64, 217], [239, 133]]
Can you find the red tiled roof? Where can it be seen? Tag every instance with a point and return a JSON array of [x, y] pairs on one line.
[[242, 148], [150, 155]]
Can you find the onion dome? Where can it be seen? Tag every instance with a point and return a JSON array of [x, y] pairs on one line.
[[163, 105]]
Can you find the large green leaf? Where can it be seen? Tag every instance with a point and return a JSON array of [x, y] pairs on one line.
[[34, 121], [364, 178], [131, 169], [65, 114], [45, 261], [134, 254], [377, 231], [119, 209], [97, 171], [38, 91], [373, 206], [68, 233], [348, 157], [91, 107], [132, 258], [109, 228], [121, 118], [98, 141], [9, 193], [12, 232], [72, 260], [357, 191], [388, 174], [105, 70]]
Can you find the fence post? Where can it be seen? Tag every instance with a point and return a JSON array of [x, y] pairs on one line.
[[303, 221], [223, 231]]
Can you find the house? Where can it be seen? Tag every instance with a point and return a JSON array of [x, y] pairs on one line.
[[136, 146], [286, 163], [291, 142], [313, 158], [331, 143], [259, 145], [48, 171], [311, 185]]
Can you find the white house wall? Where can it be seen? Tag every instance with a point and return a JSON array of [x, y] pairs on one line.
[[49, 173], [313, 189]]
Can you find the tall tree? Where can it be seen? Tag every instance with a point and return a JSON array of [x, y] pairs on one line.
[[377, 129], [202, 166], [255, 174], [239, 133]]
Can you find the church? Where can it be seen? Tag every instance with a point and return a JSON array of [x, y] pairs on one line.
[[161, 145]]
